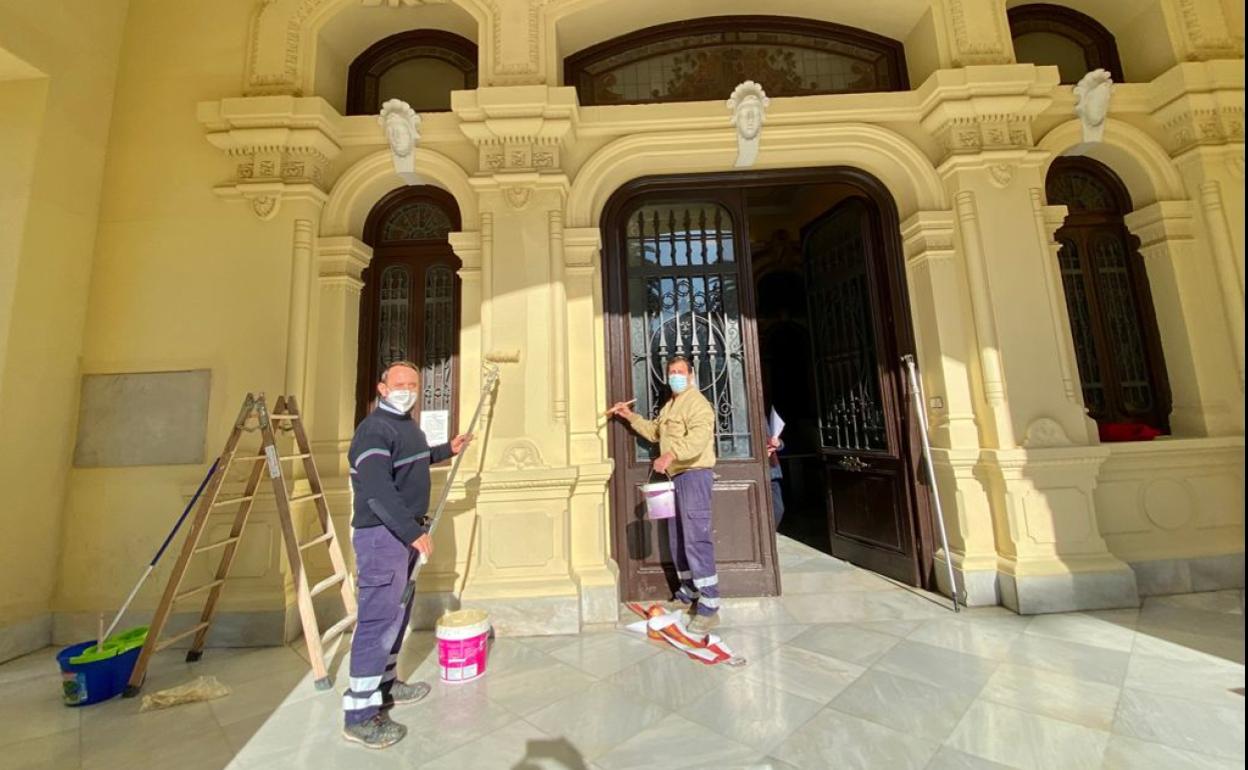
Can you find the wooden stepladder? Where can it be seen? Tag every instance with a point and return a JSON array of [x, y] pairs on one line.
[[266, 460]]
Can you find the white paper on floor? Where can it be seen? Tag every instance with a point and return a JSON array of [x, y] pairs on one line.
[[660, 625]]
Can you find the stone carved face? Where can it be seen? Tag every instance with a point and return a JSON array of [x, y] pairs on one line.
[[399, 134], [749, 117], [1093, 93]]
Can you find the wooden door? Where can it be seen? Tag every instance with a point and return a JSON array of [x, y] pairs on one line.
[[679, 281], [864, 445]]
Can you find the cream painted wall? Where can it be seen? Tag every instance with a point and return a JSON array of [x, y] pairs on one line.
[[45, 268]]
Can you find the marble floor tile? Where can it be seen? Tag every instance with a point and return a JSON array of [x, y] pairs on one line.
[[903, 704], [1209, 601], [1210, 680], [1125, 753], [670, 679], [32, 708], [956, 671], [39, 664], [818, 608], [262, 695], [601, 655], [752, 712], [810, 675], [898, 628], [598, 719], [1159, 617], [1082, 702], [1182, 724], [981, 639], [1083, 629], [57, 751], [766, 611], [527, 690], [519, 744], [835, 740], [547, 644], [676, 742], [952, 759], [1027, 741], [186, 734], [1080, 661], [845, 641], [753, 642], [833, 582]]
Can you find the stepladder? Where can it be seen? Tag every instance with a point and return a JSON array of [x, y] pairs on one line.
[[282, 426]]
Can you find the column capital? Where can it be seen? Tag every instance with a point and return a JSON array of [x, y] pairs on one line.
[[1200, 104], [517, 128], [342, 256]]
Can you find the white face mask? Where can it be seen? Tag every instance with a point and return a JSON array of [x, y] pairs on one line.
[[403, 400]]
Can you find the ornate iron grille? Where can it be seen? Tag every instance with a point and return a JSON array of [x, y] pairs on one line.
[[851, 413], [417, 221], [1122, 322], [393, 317], [437, 370], [1081, 328], [683, 299]]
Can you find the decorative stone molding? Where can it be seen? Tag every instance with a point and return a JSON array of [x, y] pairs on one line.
[[1200, 104], [342, 258], [518, 128], [1045, 432], [1001, 174], [1205, 31], [400, 3], [520, 455], [1161, 224], [979, 32], [282, 149], [928, 235], [970, 113], [1093, 92]]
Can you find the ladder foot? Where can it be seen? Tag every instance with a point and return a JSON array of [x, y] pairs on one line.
[[131, 690], [324, 683], [193, 656]]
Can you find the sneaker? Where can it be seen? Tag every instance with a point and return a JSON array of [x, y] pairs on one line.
[[376, 733], [401, 693], [701, 625]]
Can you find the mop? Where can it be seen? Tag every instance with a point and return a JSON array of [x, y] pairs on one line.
[[669, 627]]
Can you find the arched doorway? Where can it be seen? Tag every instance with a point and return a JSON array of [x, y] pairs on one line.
[[679, 273], [410, 303]]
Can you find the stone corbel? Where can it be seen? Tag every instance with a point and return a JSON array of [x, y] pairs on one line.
[[282, 148], [1201, 104], [517, 128]]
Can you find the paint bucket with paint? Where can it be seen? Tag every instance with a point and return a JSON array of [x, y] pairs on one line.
[[660, 500], [463, 644]]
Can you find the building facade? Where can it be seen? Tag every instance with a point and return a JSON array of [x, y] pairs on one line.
[[205, 188]]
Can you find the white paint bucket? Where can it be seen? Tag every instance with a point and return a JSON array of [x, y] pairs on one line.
[[463, 645], [660, 499]]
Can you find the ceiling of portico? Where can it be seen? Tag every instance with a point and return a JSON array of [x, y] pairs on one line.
[[582, 23], [355, 28]]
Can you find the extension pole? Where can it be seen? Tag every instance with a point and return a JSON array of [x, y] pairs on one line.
[[491, 377], [152, 565], [920, 404]]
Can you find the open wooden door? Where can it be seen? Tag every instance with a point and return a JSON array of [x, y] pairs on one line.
[[679, 281]]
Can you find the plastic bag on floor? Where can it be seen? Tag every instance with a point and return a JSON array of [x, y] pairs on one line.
[[202, 689]]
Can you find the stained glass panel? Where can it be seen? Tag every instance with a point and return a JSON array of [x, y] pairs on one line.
[[417, 221], [683, 299]]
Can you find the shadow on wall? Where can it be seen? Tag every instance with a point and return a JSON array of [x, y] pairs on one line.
[[555, 754]]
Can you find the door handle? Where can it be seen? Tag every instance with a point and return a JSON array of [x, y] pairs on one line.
[[852, 463]]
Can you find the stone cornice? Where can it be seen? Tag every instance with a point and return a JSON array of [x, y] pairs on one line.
[[1200, 104], [517, 128]]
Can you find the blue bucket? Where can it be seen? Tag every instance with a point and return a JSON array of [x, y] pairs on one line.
[[90, 676]]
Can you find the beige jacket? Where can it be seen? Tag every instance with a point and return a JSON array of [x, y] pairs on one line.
[[685, 428]]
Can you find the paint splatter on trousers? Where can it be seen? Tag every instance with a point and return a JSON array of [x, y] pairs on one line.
[[693, 542], [384, 564]]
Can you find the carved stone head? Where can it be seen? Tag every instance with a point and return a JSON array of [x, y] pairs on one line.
[[402, 126], [748, 105], [1092, 106]]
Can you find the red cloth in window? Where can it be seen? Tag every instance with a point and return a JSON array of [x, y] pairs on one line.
[[1127, 431]]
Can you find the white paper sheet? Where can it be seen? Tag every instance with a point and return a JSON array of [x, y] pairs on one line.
[[775, 424], [436, 425]]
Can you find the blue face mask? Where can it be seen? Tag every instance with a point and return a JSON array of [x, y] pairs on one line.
[[678, 382]]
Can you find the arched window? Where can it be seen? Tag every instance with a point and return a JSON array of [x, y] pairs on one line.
[[409, 308], [1055, 36], [707, 58], [420, 67], [1117, 344]]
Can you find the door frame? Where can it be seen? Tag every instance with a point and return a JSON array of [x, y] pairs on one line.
[[884, 217]]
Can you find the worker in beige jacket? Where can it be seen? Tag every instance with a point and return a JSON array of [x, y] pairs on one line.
[[685, 433]]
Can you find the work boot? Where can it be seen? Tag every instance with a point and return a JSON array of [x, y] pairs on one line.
[[377, 733], [400, 693], [701, 625]]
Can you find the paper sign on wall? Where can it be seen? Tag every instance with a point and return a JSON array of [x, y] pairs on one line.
[[436, 425]]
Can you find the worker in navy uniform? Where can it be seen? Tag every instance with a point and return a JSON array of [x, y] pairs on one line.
[[390, 460]]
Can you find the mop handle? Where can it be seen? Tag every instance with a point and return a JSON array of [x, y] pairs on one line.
[[490, 379], [152, 564], [920, 400]]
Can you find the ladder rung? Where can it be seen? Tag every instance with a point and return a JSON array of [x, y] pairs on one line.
[[336, 629], [218, 544], [198, 589], [316, 541], [303, 456], [163, 643], [258, 458], [232, 500], [283, 416], [327, 583], [305, 498]]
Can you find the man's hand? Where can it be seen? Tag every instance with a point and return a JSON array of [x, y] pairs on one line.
[[773, 446], [622, 409], [424, 544], [460, 443], [663, 462]]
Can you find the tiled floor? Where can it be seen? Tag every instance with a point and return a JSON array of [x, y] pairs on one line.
[[845, 671]]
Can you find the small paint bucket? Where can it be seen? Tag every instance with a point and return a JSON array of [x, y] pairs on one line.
[[660, 500], [463, 638]]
